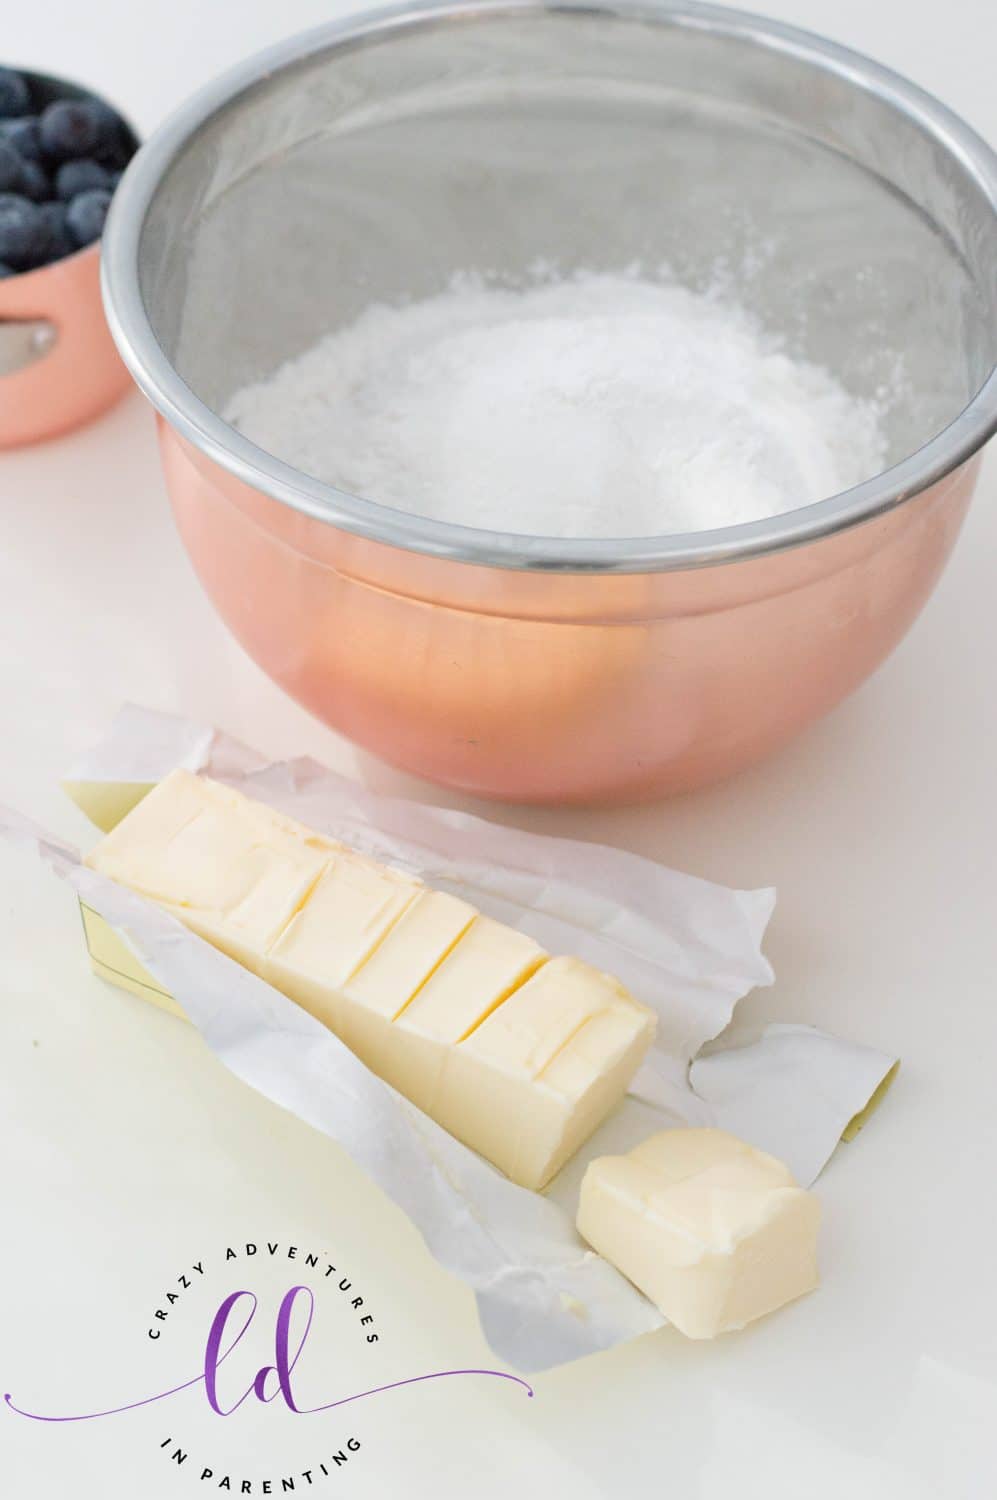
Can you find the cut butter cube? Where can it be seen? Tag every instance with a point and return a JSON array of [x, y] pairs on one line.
[[233, 870], [533, 1081], [398, 967], [714, 1232], [353, 906], [484, 967]]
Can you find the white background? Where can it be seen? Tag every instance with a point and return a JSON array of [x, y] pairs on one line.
[[127, 1152]]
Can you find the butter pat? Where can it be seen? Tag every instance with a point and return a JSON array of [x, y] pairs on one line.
[[534, 1079], [350, 910], [714, 1232], [413, 950], [392, 976], [484, 967], [521, 1056], [232, 869]]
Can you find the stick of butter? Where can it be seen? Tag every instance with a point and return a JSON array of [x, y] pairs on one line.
[[713, 1231], [519, 1055]]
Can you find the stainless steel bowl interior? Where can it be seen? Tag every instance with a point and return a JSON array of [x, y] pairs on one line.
[[374, 159]]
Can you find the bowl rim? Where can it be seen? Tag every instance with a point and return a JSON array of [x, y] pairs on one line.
[[194, 420]]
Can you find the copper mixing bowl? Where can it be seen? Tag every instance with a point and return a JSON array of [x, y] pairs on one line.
[[370, 159]]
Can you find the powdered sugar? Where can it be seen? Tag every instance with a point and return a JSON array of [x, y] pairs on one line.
[[603, 405]]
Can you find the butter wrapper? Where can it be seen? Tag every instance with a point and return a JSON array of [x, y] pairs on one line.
[[686, 947]]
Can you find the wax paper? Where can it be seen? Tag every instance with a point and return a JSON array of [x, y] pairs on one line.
[[688, 948]]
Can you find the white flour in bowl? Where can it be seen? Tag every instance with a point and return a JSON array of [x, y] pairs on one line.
[[601, 406]]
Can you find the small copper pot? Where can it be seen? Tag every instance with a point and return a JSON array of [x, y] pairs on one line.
[[59, 366]]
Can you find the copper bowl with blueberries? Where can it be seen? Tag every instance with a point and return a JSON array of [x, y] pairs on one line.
[[62, 154]]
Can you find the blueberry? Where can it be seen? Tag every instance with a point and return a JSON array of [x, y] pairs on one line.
[[6, 270], [69, 129], [116, 158], [11, 169], [35, 182], [85, 215], [15, 96], [22, 232], [23, 134], [113, 138], [77, 176], [57, 240]]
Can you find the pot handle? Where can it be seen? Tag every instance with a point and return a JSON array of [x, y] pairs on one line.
[[24, 340]]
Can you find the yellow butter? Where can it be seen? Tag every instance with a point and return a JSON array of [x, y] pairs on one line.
[[487, 963], [352, 907], [414, 948], [113, 960], [105, 803], [520, 1056], [396, 970], [713, 1231], [533, 1081], [233, 870]]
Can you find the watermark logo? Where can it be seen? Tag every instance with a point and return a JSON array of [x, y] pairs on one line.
[[284, 1379]]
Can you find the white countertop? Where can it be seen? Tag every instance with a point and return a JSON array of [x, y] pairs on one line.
[[128, 1153]]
